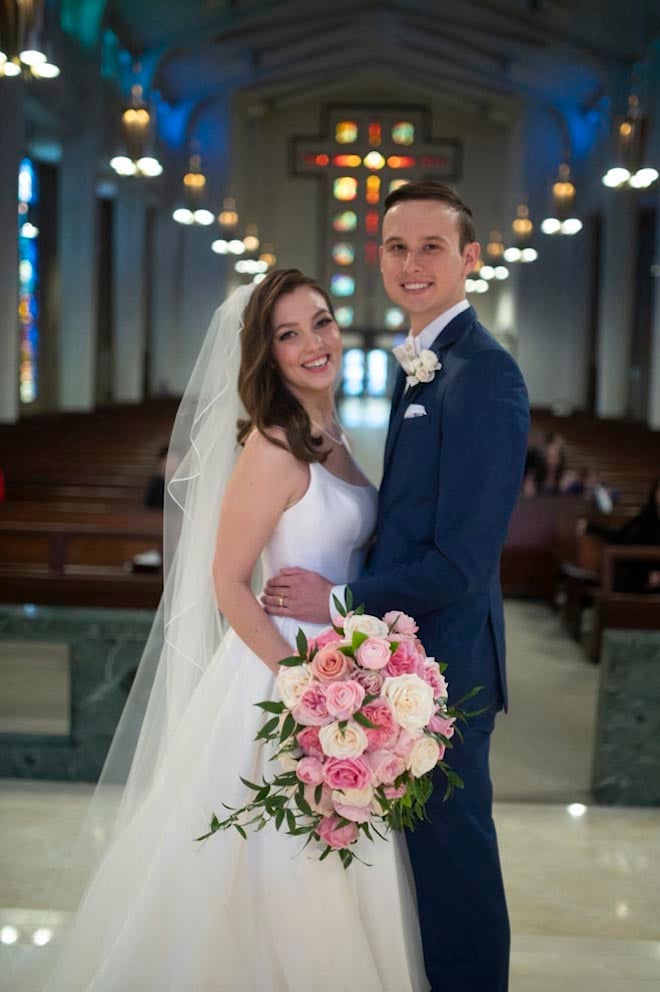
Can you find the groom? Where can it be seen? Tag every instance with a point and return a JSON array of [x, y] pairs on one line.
[[453, 466]]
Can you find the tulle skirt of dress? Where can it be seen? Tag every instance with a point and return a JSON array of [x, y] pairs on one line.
[[167, 914]]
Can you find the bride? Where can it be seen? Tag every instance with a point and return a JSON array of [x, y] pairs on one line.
[[163, 912]]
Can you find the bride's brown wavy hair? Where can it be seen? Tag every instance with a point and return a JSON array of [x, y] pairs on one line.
[[264, 394]]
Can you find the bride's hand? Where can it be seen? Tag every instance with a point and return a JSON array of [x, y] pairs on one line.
[[299, 594]]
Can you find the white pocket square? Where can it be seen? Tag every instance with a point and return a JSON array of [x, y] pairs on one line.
[[415, 410]]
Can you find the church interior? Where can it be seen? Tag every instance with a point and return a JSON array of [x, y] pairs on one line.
[[153, 157]]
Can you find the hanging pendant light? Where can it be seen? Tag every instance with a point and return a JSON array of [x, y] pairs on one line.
[[562, 219], [136, 158], [631, 168], [492, 267], [194, 184], [24, 46], [522, 249]]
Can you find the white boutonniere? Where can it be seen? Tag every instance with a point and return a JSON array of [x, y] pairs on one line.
[[418, 368]]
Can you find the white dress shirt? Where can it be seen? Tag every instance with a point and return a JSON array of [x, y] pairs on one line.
[[423, 340]]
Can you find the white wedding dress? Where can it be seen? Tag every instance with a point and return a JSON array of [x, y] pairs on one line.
[[166, 914]]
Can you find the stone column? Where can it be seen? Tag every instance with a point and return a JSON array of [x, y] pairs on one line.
[[166, 290], [12, 130], [617, 285], [77, 249], [654, 362], [129, 292]]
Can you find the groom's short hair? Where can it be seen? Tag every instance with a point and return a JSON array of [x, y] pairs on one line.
[[429, 189]]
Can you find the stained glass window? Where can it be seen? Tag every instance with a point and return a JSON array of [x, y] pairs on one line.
[[344, 316], [342, 285], [401, 162], [346, 132], [28, 279], [343, 253], [375, 134], [373, 189], [372, 222], [374, 160], [394, 318], [376, 372], [346, 161], [353, 378], [345, 221], [345, 188], [403, 133]]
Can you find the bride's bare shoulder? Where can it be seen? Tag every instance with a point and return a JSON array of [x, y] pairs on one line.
[[269, 453]]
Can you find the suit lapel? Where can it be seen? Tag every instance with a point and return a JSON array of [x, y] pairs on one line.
[[402, 396]]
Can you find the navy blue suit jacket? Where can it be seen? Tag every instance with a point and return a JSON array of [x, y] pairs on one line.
[[451, 480]]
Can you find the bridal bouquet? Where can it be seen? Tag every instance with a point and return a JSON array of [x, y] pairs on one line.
[[362, 721]]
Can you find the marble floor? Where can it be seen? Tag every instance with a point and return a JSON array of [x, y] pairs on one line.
[[583, 882]]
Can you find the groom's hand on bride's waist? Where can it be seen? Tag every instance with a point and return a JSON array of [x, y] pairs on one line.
[[296, 593]]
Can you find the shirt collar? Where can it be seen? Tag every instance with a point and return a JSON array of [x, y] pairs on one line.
[[428, 334]]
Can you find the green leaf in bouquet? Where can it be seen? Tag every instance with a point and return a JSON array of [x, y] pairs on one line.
[[364, 721], [261, 824], [292, 662], [215, 823], [358, 639], [394, 645], [370, 698], [279, 818], [393, 624], [249, 784], [443, 666], [262, 793], [267, 729], [468, 695], [339, 606], [318, 792], [285, 779], [343, 724], [348, 597], [470, 714], [301, 643], [290, 820], [327, 851], [288, 727], [271, 706], [303, 805], [241, 831]]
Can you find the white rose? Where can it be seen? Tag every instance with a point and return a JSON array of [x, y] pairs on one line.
[[350, 742], [291, 683], [411, 700], [365, 624], [354, 797], [423, 756], [288, 758], [429, 360], [424, 375]]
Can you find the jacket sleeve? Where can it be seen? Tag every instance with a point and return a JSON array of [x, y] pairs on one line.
[[485, 425]]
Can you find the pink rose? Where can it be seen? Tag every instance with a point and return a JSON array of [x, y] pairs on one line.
[[347, 773], [442, 725], [310, 771], [430, 672], [358, 814], [343, 699], [405, 660], [404, 744], [386, 728], [321, 640], [311, 709], [400, 623], [330, 664], [395, 791], [374, 653], [386, 766], [324, 805], [339, 620], [335, 836], [308, 740], [370, 679]]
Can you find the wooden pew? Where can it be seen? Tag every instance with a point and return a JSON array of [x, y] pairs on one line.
[[625, 610]]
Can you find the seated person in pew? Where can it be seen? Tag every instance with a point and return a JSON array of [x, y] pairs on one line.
[[154, 496], [546, 472], [642, 529], [589, 486]]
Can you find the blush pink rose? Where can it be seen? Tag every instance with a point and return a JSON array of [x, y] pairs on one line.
[[343, 699], [371, 679], [330, 664], [311, 709], [430, 672], [400, 623], [386, 766], [386, 728], [336, 836], [404, 744], [324, 805], [308, 740], [321, 640], [442, 725], [347, 773], [395, 791], [310, 771], [358, 814], [405, 660], [374, 653]]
